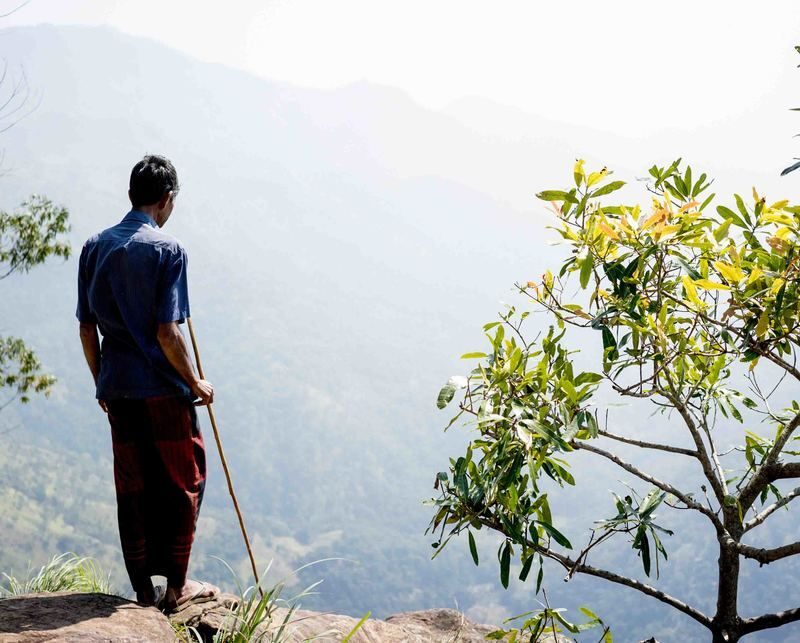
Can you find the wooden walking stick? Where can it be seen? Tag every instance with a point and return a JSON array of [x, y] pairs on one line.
[[225, 462]]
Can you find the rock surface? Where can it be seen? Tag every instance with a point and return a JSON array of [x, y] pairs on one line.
[[428, 626], [92, 618], [89, 618]]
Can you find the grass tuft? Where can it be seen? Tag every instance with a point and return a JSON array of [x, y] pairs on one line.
[[63, 573]]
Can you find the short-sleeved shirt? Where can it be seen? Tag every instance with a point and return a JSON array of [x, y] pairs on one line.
[[131, 278]]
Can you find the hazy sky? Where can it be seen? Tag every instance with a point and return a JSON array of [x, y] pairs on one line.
[[626, 65]]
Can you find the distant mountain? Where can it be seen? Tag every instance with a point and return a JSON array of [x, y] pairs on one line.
[[345, 248]]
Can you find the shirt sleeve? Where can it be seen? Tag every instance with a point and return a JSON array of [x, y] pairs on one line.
[[84, 312], [172, 295]]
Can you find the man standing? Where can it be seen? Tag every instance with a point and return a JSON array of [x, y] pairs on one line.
[[132, 286]]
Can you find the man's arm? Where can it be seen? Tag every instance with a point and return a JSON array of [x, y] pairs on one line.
[[91, 351], [174, 346]]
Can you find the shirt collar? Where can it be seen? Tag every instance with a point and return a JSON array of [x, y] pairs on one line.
[[141, 217]]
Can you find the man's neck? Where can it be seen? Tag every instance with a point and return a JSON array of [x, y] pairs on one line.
[[151, 211]]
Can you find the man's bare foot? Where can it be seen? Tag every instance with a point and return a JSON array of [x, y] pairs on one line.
[[190, 593]]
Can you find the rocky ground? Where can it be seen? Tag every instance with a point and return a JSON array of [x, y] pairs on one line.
[[96, 618]]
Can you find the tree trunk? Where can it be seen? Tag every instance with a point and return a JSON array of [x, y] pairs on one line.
[[726, 625]]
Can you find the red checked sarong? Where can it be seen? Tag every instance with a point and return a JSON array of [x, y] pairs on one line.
[[160, 474]]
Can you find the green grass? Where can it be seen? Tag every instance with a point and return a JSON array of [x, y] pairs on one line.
[[254, 619], [63, 573]]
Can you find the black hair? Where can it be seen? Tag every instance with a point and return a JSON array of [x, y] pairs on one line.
[[152, 178]]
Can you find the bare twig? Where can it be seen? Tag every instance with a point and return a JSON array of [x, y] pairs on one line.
[[664, 486], [766, 513], [648, 445]]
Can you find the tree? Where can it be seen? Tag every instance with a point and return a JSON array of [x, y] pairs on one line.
[[28, 236], [686, 307]]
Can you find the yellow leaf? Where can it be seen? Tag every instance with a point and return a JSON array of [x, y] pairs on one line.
[[777, 217], [691, 291], [658, 217], [777, 285], [733, 274], [688, 206], [779, 205], [763, 324], [710, 285], [665, 231], [608, 230], [755, 274], [594, 177], [578, 172]]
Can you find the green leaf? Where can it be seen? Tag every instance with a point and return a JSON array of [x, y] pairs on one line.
[[588, 377], [741, 207], [556, 195], [587, 263], [526, 568], [607, 189], [473, 356], [449, 390], [560, 538], [727, 213], [505, 564], [473, 548]]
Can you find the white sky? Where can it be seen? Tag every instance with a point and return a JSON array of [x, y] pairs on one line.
[[625, 65]]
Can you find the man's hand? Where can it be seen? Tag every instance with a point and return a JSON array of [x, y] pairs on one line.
[[203, 390]]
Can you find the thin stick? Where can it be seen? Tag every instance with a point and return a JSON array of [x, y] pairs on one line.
[[225, 462]]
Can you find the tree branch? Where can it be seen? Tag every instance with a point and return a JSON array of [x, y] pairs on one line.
[[717, 483], [664, 486], [768, 621], [767, 556], [768, 471], [647, 445], [15, 9], [581, 568], [755, 522], [787, 470]]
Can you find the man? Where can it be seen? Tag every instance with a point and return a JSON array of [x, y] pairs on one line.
[[132, 286]]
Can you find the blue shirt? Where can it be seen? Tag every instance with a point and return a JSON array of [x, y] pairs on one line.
[[132, 277]]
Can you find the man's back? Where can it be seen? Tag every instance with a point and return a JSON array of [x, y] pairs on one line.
[[132, 277]]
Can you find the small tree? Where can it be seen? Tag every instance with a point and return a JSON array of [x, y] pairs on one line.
[[28, 236], [685, 306]]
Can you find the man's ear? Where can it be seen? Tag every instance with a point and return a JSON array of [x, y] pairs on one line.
[[162, 203], [130, 198]]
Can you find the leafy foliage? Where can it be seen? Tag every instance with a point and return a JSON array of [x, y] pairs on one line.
[[550, 623], [684, 304], [32, 234], [28, 237], [20, 370]]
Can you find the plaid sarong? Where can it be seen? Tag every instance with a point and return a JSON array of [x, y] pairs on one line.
[[160, 475]]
